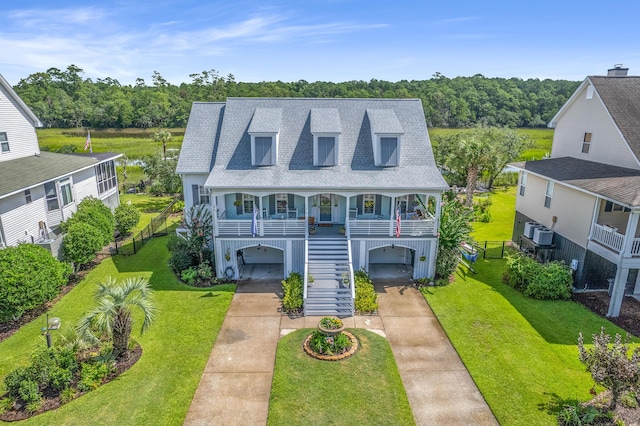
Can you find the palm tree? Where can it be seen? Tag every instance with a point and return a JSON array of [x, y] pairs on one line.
[[112, 314], [163, 136]]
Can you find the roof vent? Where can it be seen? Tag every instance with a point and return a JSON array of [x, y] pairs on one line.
[[617, 71]]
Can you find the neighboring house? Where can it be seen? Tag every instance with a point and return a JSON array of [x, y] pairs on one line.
[[283, 176], [38, 190], [587, 195]]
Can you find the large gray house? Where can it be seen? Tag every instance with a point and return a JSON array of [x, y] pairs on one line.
[[322, 187]]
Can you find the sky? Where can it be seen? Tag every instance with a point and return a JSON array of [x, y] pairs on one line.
[[319, 40]]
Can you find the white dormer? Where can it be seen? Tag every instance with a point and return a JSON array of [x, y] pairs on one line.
[[264, 131], [386, 137], [326, 130]]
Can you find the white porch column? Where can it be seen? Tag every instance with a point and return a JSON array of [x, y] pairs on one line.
[[636, 289], [433, 253], [214, 213], [594, 218], [392, 216], [630, 234], [617, 293], [306, 217], [260, 218]]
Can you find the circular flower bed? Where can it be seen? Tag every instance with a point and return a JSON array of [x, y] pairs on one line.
[[329, 342]]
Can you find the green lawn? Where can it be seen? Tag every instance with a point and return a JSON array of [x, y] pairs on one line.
[[149, 206], [365, 389], [159, 388], [521, 352], [503, 212]]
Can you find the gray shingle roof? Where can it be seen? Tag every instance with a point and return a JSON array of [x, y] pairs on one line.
[[266, 120], [26, 172], [621, 97], [231, 146], [325, 120], [614, 183], [384, 121], [203, 129]]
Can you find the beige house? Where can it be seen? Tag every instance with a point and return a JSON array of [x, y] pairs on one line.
[[583, 203]]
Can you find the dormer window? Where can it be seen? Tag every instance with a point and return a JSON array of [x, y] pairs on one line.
[[386, 136], [326, 130], [264, 130], [263, 151]]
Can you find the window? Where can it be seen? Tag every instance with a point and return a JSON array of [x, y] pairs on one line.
[[369, 203], [247, 203], [401, 203], [27, 195], [281, 203], [610, 206], [325, 151], [523, 183], [586, 143], [203, 195], [388, 151], [548, 194], [106, 176], [263, 151], [590, 92], [65, 190], [4, 142], [52, 196]]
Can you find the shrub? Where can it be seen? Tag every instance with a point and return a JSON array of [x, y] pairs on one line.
[[93, 375], [93, 211], [126, 217], [80, 243], [366, 297], [156, 188], [181, 257], [446, 262], [29, 276], [481, 209], [177, 207], [610, 365], [292, 288], [577, 414], [322, 344], [199, 276], [29, 391], [455, 228], [67, 395], [7, 403], [13, 379], [551, 281]]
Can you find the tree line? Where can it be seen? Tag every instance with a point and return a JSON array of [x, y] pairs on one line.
[[64, 98]]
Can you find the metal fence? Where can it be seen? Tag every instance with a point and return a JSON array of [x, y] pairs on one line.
[[157, 227], [492, 249]]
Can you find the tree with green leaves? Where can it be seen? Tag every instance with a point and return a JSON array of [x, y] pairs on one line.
[[80, 244], [113, 313], [163, 136], [126, 216], [199, 223], [455, 227]]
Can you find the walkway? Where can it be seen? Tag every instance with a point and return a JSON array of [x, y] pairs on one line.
[[236, 384]]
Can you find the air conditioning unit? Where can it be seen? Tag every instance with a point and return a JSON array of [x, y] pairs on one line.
[[529, 227], [543, 236]]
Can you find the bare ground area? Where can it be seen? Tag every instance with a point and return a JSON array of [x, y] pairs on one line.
[[598, 302]]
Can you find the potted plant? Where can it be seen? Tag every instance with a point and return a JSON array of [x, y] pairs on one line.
[[423, 258], [227, 255], [342, 230], [345, 279], [237, 203], [312, 230], [331, 326], [310, 280]]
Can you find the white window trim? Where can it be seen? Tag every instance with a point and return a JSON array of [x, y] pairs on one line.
[[204, 192], [377, 154], [368, 197], [61, 184], [548, 194], [400, 200], [245, 199], [523, 184], [336, 144], [282, 199], [586, 143], [590, 90], [274, 148], [3, 142]]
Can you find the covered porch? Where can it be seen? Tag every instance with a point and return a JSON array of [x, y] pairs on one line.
[[614, 231]]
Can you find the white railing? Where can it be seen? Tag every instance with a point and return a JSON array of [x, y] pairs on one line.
[[305, 281], [352, 279], [408, 228], [607, 237], [242, 227], [635, 247]]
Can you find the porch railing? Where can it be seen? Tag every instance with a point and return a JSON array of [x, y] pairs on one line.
[[607, 237], [635, 247], [242, 227], [408, 228]]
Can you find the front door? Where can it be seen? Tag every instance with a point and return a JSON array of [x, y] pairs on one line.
[[325, 208]]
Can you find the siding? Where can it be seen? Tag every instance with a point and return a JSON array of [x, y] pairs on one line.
[[590, 115], [18, 216], [573, 209], [360, 249], [23, 141], [187, 181]]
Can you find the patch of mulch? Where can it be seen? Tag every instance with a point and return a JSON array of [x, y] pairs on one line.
[[630, 416], [598, 302], [51, 402]]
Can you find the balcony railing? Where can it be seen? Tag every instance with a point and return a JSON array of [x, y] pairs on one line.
[[635, 247], [607, 237], [242, 227], [408, 228]]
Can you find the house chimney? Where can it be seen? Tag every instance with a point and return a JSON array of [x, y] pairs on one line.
[[617, 71]]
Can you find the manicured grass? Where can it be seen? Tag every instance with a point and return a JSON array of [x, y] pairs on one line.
[[364, 389], [159, 388], [503, 211], [134, 143], [149, 206], [522, 353]]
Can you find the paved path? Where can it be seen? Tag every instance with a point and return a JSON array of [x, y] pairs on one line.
[[236, 383]]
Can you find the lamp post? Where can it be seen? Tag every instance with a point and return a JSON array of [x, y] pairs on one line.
[[52, 324]]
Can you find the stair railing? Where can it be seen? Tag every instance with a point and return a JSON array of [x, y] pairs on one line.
[[306, 274], [352, 280]]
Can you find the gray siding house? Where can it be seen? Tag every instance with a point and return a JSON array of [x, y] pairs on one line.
[[322, 187], [38, 190], [582, 205]]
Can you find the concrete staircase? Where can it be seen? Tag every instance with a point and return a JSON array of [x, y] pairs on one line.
[[328, 260]]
